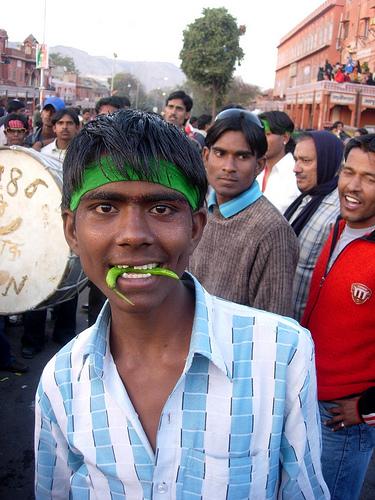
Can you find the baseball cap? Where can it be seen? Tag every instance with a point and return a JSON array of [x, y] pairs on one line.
[[55, 102]]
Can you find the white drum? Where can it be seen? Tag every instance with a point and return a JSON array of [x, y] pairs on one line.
[[37, 268]]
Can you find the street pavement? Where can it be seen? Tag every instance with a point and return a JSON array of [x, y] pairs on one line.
[[17, 417]]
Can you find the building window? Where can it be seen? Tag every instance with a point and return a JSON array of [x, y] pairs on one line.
[[366, 25], [345, 29]]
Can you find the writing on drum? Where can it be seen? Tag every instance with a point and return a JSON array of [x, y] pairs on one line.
[[10, 186]]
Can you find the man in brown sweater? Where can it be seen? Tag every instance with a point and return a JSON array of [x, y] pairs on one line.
[[248, 253]]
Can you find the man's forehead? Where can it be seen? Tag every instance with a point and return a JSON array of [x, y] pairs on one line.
[[358, 157], [178, 103]]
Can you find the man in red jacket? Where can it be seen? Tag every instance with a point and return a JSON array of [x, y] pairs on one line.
[[340, 314]]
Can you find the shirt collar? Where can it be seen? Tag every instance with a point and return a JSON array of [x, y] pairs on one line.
[[202, 341], [237, 204]]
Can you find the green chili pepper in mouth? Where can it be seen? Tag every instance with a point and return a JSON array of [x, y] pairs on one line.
[[115, 272]]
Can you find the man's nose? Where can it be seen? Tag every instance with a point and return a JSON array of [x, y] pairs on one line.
[[354, 183], [297, 167], [229, 164], [133, 228]]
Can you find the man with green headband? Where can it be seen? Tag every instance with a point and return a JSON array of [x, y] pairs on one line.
[[173, 393]]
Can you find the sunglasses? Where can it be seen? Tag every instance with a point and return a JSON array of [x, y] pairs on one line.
[[248, 116], [16, 130]]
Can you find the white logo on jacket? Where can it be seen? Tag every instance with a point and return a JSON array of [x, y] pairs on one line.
[[360, 293]]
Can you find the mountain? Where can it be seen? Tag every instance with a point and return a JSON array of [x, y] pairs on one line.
[[151, 74]]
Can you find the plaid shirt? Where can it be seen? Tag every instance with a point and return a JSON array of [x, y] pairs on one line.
[[241, 421], [311, 240]]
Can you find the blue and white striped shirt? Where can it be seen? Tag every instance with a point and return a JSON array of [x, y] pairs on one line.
[[241, 423]]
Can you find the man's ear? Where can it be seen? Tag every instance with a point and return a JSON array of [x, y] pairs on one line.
[[70, 230], [199, 219], [261, 163], [205, 154], [286, 137]]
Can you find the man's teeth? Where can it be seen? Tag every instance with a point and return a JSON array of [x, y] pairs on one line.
[[135, 276], [145, 266], [350, 199]]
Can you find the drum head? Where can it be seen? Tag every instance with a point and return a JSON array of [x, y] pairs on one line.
[[33, 249]]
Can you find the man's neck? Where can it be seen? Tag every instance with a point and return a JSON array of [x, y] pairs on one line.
[[151, 333], [47, 132], [60, 144], [271, 162]]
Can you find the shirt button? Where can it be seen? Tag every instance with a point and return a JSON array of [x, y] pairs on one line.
[[162, 487]]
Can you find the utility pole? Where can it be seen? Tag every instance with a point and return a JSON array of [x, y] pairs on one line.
[[41, 86], [113, 70]]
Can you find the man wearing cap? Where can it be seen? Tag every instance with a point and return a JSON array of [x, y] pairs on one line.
[[16, 127], [14, 106], [248, 252], [45, 134]]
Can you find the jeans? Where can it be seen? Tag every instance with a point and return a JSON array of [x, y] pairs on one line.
[[345, 457]]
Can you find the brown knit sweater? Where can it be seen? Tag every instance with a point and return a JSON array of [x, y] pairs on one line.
[[249, 258]]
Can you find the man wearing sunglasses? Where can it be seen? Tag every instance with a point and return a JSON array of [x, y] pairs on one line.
[[16, 128], [248, 253]]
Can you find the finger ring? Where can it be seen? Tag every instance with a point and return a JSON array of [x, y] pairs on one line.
[[342, 424]]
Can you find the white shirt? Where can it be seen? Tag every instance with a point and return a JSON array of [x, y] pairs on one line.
[[241, 423], [52, 150], [281, 188]]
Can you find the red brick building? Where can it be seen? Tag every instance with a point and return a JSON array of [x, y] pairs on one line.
[[19, 77], [335, 31]]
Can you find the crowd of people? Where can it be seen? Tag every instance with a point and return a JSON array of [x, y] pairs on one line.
[[231, 302], [351, 72]]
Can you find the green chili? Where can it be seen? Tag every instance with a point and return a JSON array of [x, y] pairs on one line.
[[114, 273]]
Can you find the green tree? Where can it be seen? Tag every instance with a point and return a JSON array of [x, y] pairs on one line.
[[57, 59], [126, 84], [242, 93], [211, 50]]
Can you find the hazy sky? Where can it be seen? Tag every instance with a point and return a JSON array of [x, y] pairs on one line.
[[149, 30]]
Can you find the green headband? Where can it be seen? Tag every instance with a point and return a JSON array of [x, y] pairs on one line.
[[104, 172], [266, 125]]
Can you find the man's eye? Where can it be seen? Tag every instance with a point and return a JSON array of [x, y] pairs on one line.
[[218, 153], [162, 210], [104, 208]]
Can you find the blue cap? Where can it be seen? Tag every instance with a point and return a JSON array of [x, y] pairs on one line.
[[55, 102]]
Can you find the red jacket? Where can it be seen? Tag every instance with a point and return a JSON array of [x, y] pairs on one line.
[[340, 313]]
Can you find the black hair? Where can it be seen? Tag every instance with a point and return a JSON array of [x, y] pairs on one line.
[[362, 131], [365, 142], [113, 100], [136, 138], [203, 120], [15, 105], [180, 94], [280, 123], [66, 111], [125, 101], [254, 135], [336, 124], [86, 110], [15, 116]]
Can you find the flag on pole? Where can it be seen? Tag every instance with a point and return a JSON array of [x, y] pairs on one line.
[[41, 57]]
